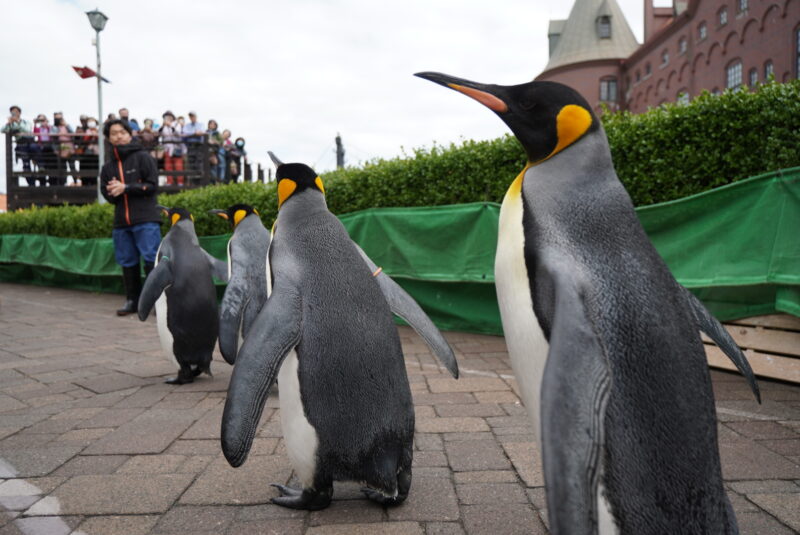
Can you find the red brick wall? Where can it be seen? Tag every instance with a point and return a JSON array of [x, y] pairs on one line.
[[585, 78]]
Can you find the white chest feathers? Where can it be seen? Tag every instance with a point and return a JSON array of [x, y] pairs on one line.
[[299, 434], [527, 345]]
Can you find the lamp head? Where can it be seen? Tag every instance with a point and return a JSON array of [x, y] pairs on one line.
[[97, 20]]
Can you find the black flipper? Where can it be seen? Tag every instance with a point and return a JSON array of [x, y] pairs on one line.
[[714, 329], [575, 391], [276, 331], [404, 306], [157, 281], [231, 314], [219, 269]]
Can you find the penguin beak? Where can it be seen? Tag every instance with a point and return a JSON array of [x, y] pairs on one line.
[[163, 209], [222, 213], [480, 92]]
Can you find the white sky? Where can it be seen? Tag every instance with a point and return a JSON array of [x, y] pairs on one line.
[[286, 75]]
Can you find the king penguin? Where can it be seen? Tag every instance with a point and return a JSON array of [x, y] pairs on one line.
[[246, 292], [182, 289], [326, 331], [603, 340]]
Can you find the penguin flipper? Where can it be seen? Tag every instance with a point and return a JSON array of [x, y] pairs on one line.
[[714, 329], [219, 269], [231, 313], [275, 332], [404, 306], [157, 281], [575, 390]]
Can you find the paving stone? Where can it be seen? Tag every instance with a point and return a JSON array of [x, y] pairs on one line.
[[466, 384], [761, 524], [269, 511], [472, 409], [195, 447], [250, 484], [142, 435], [118, 525], [209, 426], [476, 455], [83, 436], [429, 458], [450, 425], [110, 418], [737, 411], [192, 519], [7, 403], [747, 459], [38, 461], [268, 527], [774, 486], [508, 519], [91, 464], [152, 464], [383, 528], [180, 400], [442, 399], [120, 494], [527, 462], [430, 499], [45, 525], [763, 430], [443, 528], [348, 512], [145, 397], [486, 476], [476, 493], [428, 442], [787, 448], [195, 464], [462, 437], [508, 421], [741, 504]]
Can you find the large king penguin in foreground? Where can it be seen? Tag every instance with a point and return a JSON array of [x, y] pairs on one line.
[[603, 340], [182, 290], [346, 406], [247, 270]]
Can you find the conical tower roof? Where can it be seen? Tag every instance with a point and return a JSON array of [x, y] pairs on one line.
[[581, 41]]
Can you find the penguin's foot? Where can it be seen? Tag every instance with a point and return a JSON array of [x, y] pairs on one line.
[[179, 380], [381, 498], [309, 499]]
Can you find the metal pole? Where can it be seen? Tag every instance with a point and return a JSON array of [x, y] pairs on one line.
[[101, 143]]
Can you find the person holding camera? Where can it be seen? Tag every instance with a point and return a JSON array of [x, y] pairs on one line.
[[19, 127], [173, 147]]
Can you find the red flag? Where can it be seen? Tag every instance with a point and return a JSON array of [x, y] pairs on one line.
[[86, 72]]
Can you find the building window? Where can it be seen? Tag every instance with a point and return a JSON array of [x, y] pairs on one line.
[[647, 70], [604, 27], [742, 5], [752, 77], [664, 58], [638, 76], [682, 46], [768, 70], [715, 92], [734, 75], [683, 97], [723, 16], [608, 90], [702, 31]]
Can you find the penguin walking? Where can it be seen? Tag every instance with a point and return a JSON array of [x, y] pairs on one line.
[[246, 292], [326, 331], [603, 340], [183, 292]]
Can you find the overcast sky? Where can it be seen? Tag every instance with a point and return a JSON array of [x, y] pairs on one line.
[[286, 75]]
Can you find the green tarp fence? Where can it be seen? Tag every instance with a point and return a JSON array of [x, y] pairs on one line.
[[737, 247]]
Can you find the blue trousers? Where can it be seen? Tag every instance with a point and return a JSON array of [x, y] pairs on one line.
[[131, 242]]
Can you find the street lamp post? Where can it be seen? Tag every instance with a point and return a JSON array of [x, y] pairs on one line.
[[98, 22]]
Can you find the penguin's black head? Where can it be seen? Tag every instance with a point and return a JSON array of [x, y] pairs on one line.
[[294, 178], [176, 214], [235, 214], [546, 117]]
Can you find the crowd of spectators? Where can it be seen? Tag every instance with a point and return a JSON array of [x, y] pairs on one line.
[[55, 154]]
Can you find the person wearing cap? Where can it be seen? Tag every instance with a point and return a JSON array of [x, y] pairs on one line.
[[19, 127], [194, 135], [129, 181], [174, 149]]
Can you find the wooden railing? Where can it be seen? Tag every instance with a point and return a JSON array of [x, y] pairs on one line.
[[50, 177]]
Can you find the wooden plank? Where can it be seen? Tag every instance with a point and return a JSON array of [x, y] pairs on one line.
[[772, 366], [775, 321], [760, 339]]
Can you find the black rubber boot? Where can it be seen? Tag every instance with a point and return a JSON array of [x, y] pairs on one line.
[[132, 279], [148, 267]]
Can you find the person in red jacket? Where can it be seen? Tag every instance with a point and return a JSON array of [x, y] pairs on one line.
[[129, 180]]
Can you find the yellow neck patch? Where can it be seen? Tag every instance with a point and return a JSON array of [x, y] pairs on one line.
[[318, 182], [285, 189], [175, 218], [572, 122], [238, 216], [515, 189]]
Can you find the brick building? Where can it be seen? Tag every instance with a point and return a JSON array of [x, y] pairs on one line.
[[691, 46]]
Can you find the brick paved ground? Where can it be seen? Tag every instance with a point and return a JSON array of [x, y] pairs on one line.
[[92, 441]]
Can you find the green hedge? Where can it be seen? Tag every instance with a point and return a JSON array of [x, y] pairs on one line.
[[664, 154]]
